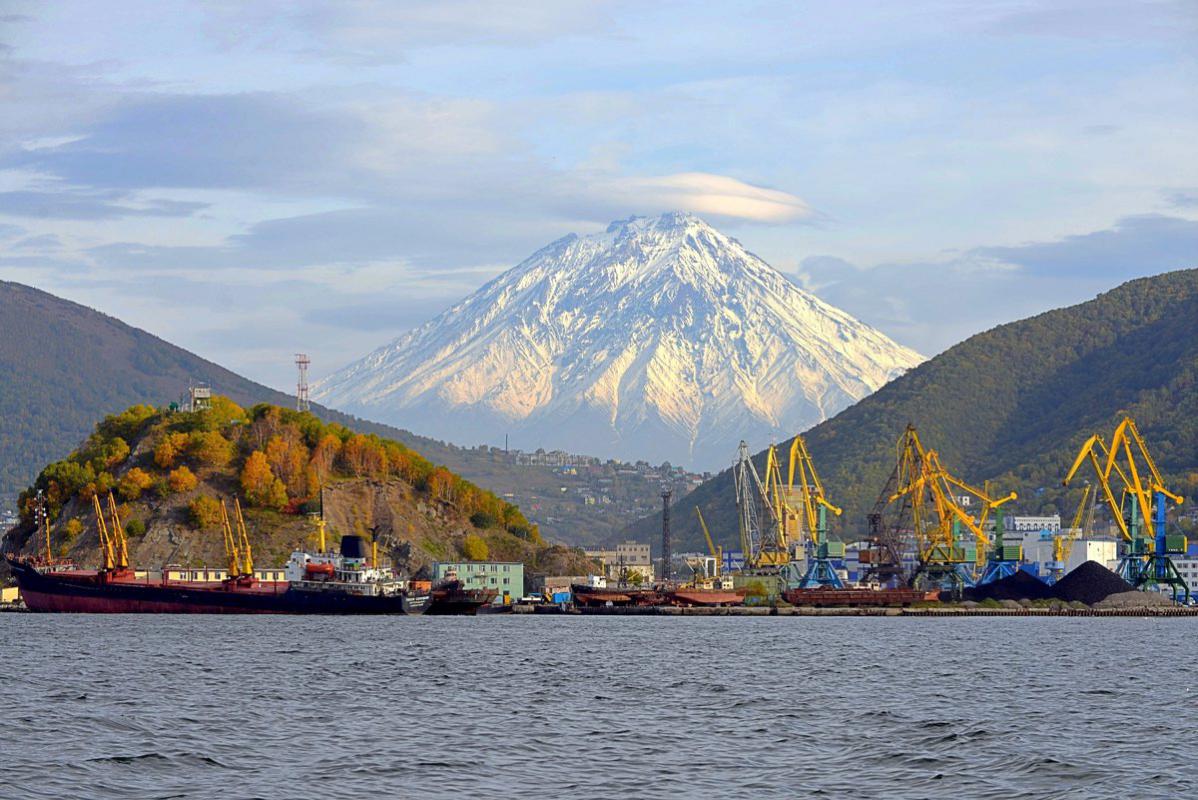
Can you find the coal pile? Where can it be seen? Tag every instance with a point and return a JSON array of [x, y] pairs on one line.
[[1089, 584], [1020, 586]]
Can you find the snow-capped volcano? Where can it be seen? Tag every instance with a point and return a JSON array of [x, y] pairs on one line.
[[658, 339]]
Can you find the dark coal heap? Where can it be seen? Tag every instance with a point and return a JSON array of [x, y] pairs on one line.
[[1020, 586], [1089, 583]]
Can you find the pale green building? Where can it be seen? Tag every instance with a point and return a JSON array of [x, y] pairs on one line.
[[505, 577]]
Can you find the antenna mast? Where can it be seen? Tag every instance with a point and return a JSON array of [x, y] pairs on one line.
[[301, 388]]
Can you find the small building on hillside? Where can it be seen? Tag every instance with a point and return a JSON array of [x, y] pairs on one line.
[[505, 577]]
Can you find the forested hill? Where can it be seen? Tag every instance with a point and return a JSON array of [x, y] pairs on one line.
[[169, 471], [63, 365], [1012, 405]]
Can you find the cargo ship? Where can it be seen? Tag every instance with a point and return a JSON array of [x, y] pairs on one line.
[[319, 583]]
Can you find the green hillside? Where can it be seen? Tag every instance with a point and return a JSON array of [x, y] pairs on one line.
[[1012, 405], [169, 471], [63, 366]]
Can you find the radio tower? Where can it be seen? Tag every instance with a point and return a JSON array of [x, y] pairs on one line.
[[301, 389]]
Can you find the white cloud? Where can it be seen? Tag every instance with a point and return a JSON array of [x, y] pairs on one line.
[[713, 196]]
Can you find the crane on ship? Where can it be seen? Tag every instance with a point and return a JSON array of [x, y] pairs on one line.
[[938, 518], [237, 544], [1126, 467], [809, 506], [114, 547]]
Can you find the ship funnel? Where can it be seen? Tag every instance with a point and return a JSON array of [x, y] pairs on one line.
[[353, 547]]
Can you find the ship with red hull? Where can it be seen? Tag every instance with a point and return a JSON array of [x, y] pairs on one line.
[[113, 592]]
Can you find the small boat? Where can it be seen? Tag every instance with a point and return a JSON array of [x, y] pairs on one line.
[[451, 597]]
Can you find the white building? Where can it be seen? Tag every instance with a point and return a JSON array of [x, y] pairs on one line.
[[1029, 524], [1038, 548]]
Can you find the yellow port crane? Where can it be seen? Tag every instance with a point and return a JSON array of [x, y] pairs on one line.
[[937, 516], [1147, 546], [1062, 543], [716, 552], [812, 515], [758, 507], [776, 545]]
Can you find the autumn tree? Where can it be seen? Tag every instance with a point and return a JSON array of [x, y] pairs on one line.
[[209, 448], [169, 448], [363, 457], [134, 483], [324, 456], [261, 486], [474, 548], [204, 511], [288, 458], [441, 484], [181, 479]]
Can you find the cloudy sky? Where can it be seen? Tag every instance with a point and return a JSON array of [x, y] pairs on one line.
[[322, 176]]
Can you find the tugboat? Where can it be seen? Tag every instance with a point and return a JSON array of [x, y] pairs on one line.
[[450, 596], [323, 583]]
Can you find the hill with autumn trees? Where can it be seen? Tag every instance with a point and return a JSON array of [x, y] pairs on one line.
[[171, 470]]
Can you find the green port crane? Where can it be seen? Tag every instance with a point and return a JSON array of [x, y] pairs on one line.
[[1127, 466]]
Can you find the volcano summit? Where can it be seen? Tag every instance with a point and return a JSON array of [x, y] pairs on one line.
[[658, 339]]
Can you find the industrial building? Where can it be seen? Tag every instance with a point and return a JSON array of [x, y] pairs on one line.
[[625, 560]]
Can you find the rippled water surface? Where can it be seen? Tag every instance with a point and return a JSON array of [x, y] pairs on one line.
[[552, 707]]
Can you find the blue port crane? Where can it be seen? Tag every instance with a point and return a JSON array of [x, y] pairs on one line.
[[1127, 468]]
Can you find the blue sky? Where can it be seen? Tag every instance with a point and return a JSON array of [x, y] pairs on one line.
[[322, 176]]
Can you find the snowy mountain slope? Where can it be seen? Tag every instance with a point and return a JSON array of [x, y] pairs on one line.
[[659, 339]]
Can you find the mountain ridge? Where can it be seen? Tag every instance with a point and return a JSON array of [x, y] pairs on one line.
[[64, 365], [1012, 405], [659, 332]]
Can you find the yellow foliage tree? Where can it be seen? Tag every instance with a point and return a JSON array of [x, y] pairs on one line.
[[259, 483], [134, 483], [181, 479], [288, 458], [205, 511], [169, 448], [209, 448], [474, 548]]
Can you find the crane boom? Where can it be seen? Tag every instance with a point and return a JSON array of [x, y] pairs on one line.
[[102, 530], [120, 544], [231, 550], [247, 555]]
